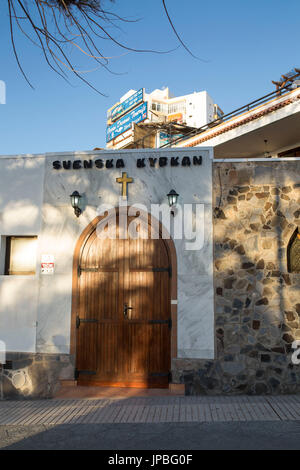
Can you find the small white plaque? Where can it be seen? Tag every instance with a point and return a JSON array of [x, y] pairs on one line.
[[47, 264]]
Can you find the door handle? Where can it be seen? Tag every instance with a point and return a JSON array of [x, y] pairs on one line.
[[125, 310]]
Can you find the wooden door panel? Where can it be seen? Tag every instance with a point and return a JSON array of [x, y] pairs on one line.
[[106, 296], [132, 350], [159, 353], [146, 346], [109, 353], [147, 254], [148, 295], [87, 337], [99, 295], [100, 252], [139, 295], [136, 349]]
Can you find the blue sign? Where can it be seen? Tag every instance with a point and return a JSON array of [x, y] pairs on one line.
[[122, 125], [125, 106], [165, 139]]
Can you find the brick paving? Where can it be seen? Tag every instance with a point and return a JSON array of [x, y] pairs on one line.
[[165, 409]]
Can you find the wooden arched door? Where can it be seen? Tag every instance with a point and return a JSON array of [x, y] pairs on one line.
[[124, 312]]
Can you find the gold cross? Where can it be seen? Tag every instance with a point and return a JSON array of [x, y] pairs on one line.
[[124, 180]]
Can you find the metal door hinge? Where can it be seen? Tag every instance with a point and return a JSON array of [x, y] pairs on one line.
[[161, 322], [85, 320], [161, 374], [85, 372], [161, 270], [87, 270]]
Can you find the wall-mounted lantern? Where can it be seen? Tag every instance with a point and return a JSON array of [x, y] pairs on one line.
[[75, 199], [172, 197]]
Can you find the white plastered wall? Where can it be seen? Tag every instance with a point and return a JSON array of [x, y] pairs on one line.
[[22, 180]]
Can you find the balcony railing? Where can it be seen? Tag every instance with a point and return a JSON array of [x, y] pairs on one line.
[[232, 114]]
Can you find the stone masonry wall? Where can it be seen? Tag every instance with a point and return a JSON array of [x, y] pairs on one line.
[[257, 301], [27, 375]]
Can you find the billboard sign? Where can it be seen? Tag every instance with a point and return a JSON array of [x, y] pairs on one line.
[[121, 108], [165, 139], [178, 117], [136, 115]]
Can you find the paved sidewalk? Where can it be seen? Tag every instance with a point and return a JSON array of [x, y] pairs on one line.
[[168, 409]]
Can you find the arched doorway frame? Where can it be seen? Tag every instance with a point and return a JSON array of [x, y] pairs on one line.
[[292, 234], [169, 243]]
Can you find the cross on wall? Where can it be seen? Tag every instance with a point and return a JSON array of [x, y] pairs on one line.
[[124, 181]]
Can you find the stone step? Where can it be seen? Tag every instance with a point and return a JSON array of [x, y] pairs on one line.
[[68, 383], [72, 391]]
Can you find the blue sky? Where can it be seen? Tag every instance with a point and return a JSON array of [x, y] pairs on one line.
[[244, 45]]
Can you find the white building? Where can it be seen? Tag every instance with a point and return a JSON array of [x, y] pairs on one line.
[[51, 293], [194, 109], [158, 107]]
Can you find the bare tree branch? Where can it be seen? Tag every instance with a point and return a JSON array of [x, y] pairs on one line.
[[177, 35], [53, 25]]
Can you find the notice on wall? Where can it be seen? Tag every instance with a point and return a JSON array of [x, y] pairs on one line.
[[47, 264]]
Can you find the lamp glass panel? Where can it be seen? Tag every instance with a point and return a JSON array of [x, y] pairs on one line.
[[74, 201], [172, 199]]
